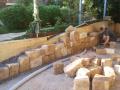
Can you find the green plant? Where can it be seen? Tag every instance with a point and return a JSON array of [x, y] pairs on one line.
[[65, 14], [48, 14], [60, 26], [24, 2], [15, 17]]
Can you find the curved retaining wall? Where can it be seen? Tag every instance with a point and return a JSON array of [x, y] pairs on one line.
[[73, 42]]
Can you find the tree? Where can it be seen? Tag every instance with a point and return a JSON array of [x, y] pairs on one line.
[[114, 10]]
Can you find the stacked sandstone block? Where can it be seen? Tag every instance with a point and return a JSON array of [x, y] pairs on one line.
[[100, 71], [73, 43]]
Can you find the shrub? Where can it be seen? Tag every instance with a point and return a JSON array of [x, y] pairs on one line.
[[15, 17], [48, 14], [65, 14]]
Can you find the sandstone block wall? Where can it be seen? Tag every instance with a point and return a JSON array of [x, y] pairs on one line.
[[73, 43]]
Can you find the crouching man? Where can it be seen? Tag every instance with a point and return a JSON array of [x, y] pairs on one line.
[[106, 36]]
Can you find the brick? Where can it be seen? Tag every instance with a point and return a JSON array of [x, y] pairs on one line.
[[117, 69], [109, 72], [36, 62], [58, 68], [72, 68], [13, 69], [83, 72], [96, 62], [4, 73], [24, 63], [113, 44], [106, 62], [95, 70], [100, 82], [81, 83]]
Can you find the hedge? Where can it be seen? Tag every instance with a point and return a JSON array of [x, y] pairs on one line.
[[18, 17], [15, 17]]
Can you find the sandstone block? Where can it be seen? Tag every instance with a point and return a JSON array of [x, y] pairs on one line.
[[100, 82], [70, 29], [13, 69], [73, 58], [58, 68], [72, 68], [81, 83], [113, 44], [4, 73], [95, 70], [96, 62], [86, 62], [36, 62], [45, 59], [24, 63], [101, 51], [110, 51], [83, 35], [74, 36], [93, 41], [105, 51], [83, 72], [117, 69], [33, 54], [116, 59], [52, 57], [58, 51], [109, 72], [49, 49], [93, 34], [106, 62]]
